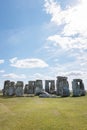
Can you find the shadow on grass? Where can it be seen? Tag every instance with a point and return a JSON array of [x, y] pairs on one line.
[[6, 97]]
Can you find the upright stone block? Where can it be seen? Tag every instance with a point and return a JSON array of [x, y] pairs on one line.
[[38, 87], [78, 87], [19, 89], [26, 89], [12, 88], [6, 88], [62, 86], [9, 88], [31, 87], [50, 86]]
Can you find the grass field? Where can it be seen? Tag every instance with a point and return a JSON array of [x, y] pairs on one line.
[[34, 113]]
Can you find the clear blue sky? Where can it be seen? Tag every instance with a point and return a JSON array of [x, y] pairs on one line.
[[41, 39]]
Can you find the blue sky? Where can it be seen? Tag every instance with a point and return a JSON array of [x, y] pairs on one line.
[[41, 39]]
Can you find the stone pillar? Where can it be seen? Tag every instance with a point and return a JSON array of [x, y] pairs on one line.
[[26, 89], [9, 88], [19, 89], [62, 86], [78, 87], [82, 89], [50, 86], [47, 86], [12, 88], [31, 87], [6, 88], [38, 87]]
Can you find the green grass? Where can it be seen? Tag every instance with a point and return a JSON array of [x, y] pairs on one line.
[[34, 113]]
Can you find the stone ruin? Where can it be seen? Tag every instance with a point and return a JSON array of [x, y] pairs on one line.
[[26, 89], [78, 87], [9, 88], [30, 88], [12, 88], [45, 94], [36, 88], [62, 87], [50, 86], [19, 88]]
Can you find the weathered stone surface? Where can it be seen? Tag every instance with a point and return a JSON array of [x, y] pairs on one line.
[[12, 88], [26, 89], [19, 89], [38, 87], [46, 95], [30, 88], [50, 86], [6, 88], [9, 88], [78, 87], [62, 86]]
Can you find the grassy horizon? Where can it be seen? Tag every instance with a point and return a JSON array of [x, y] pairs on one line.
[[34, 113]]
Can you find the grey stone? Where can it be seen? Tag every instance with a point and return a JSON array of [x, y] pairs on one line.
[[6, 88], [19, 89], [62, 86], [78, 87], [38, 87], [12, 88], [30, 88], [50, 86], [46, 95], [9, 88], [26, 89]]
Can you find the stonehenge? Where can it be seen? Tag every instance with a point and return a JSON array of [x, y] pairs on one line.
[[9, 88], [62, 86], [38, 87], [50, 86], [78, 87], [30, 88], [12, 88], [58, 88], [45, 94], [19, 88]]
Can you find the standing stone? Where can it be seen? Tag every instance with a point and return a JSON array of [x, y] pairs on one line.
[[38, 87], [9, 88], [62, 86], [50, 86], [31, 88], [6, 88], [12, 88], [26, 89], [82, 89], [19, 89], [78, 87]]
